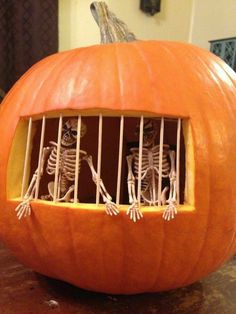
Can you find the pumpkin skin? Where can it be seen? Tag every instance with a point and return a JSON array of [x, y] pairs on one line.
[[84, 246]]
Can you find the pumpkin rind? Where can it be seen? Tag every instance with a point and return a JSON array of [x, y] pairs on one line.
[[85, 246]]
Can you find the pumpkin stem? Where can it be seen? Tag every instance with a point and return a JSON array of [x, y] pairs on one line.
[[112, 29]]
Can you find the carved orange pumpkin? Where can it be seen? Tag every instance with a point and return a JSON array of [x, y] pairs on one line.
[[84, 246]]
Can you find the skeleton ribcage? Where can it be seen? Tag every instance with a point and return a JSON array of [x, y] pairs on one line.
[[150, 165], [67, 161]]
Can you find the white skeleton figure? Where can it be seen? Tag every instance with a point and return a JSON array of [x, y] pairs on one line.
[[66, 176], [150, 175]]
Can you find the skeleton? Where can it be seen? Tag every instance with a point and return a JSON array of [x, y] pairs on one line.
[[150, 175], [66, 175]]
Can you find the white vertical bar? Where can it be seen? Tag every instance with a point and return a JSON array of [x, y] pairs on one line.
[[140, 158], [23, 187], [40, 158], [160, 161], [77, 161], [178, 161], [120, 160], [99, 159], [55, 192]]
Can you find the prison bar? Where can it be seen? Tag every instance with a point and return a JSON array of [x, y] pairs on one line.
[[140, 158], [40, 158], [77, 161], [27, 152], [56, 192], [178, 161], [118, 185], [99, 158], [160, 160]]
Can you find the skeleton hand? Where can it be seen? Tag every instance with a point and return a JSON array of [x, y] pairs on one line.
[[170, 211], [23, 209], [134, 212], [111, 208]]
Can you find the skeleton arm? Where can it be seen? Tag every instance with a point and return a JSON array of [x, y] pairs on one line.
[[171, 210], [24, 208], [133, 210], [111, 208]]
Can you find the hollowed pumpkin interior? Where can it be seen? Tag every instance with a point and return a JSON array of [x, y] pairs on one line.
[[110, 151]]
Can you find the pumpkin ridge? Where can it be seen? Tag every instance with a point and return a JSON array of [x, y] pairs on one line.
[[230, 115], [55, 73], [124, 270], [37, 70], [230, 73], [34, 245], [156, 279], [229, 251], [223, 93], [210, 207], [74, 259], [186, 280], [139, 51], [163, 248]]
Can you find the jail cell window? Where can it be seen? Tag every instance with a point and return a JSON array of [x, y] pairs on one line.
[[115, 160]]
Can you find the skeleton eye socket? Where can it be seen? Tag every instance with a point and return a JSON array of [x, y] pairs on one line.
[[65, 128], [74, 133]]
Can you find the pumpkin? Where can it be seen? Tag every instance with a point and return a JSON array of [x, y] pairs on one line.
[[81, 244]]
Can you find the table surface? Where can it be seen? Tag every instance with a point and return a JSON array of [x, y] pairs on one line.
[[23, 291]]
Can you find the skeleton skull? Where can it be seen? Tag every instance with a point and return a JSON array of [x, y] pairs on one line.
[[69, 132], [149, 132]]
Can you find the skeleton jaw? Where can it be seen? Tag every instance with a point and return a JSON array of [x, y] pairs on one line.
[[67, 141]]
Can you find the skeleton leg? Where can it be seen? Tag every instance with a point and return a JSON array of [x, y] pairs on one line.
[[163, 195], [24, 208], [171, 210], [111, 208], [133, 211]]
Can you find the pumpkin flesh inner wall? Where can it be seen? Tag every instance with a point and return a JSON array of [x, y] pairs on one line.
[[15, 169]]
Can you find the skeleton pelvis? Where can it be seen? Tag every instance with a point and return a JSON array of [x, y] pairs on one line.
[[150, 195], [62, 197]]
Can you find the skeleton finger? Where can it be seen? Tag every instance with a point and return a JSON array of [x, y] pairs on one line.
[[20, 209], [137, 217], [173, 214], [115, 209], [111, 209], [131, 214], [164, 216], [169, 216], [134, 214], [28, 211], [140, 215], [109, 212], [21, 212]]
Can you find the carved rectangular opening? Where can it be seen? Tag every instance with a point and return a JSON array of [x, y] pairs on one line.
[[119, 157]]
